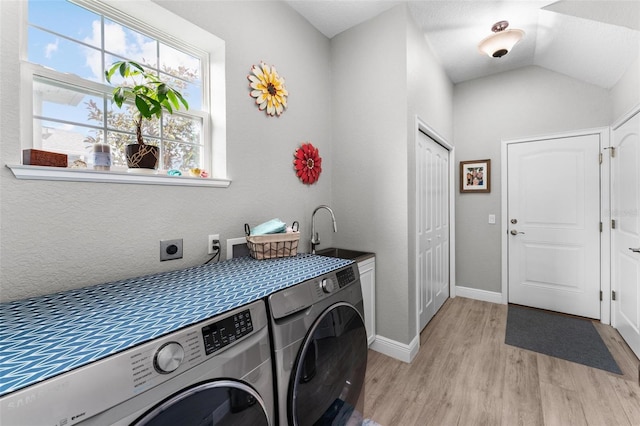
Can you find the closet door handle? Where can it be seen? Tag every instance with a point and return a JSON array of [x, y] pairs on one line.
[[635, 250]]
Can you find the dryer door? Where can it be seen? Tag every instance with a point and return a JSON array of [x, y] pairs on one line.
[[328, 385], [221, 402]]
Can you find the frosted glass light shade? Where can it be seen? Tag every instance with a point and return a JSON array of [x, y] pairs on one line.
[[500, 43]]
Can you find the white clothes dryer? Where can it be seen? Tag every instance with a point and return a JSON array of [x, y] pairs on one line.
[[320, 350], [215, 372]]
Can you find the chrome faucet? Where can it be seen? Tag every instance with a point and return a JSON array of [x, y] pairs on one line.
[[314, 235]]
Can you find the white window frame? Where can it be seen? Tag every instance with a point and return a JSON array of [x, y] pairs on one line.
[[173, 28]]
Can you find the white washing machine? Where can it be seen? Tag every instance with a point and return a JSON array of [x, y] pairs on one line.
[[215, 372], [320, 350]]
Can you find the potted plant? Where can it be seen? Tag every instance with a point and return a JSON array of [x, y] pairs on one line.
[[150, 96]]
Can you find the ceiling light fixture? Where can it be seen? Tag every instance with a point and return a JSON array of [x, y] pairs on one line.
[[501, 41]]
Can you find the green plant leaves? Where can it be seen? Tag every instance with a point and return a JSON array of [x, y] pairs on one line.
[[149, 94], [142, 107]]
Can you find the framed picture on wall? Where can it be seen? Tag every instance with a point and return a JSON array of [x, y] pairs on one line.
[[475, 176]]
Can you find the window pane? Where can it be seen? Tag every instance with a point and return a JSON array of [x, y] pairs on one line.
[[190, 91], [132, 45], [180, 64], [67, 19], [63, 55], [73, 140], [120, 118], [123, 119], [181, 156], [62, 102], [181, 128], [116, 78], [150, 128], [118, 142]]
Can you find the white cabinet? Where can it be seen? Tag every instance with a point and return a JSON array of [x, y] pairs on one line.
[[367, 269]]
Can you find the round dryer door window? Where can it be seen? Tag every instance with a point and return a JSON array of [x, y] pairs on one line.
[[328, 385], [221, 403]]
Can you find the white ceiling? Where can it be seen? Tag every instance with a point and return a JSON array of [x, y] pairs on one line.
[[593, 41]]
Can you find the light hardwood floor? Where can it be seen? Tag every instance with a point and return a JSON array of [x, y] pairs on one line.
[[465, 374]]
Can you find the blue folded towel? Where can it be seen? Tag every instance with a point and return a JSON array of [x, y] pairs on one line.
[[274, 226]]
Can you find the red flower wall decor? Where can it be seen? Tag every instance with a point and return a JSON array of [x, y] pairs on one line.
[[307, 163]]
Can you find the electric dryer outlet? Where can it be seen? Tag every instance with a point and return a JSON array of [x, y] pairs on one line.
[[170, 249]]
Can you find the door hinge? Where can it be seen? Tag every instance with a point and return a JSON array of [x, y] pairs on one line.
[[613, 295], [601, 295], [600, 226], [600, 158], [612, 151], [613, 224]]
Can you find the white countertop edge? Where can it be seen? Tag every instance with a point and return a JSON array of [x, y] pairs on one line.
[[87, 175]]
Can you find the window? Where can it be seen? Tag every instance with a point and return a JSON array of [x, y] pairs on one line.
[[69, 46]]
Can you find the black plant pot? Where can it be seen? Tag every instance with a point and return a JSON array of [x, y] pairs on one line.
[[142, 156]]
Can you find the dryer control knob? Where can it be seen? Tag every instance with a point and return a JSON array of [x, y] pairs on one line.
[[169, 357], [327, 285]]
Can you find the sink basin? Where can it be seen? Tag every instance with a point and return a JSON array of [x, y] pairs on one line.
[[344, 253]]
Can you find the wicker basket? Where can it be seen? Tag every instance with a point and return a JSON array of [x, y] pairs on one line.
[[271, 246]]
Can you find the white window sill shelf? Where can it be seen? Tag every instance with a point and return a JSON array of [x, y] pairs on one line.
[[112, 176]]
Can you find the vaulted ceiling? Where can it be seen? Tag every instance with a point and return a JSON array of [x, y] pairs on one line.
[[592, 41]]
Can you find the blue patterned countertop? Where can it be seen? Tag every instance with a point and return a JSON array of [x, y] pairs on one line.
[[45, 336]]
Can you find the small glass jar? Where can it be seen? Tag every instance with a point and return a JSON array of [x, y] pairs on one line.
[[101, 156]]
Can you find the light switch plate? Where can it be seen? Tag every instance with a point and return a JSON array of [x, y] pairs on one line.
[[492, 219]]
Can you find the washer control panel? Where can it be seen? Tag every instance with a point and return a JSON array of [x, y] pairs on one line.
[[345, 277], [327, 285], [150, 366], [333, 282], [169, 357], [221, 333], [300, 296]]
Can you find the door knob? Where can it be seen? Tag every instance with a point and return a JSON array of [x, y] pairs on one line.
[[514, 232], [635, 250]]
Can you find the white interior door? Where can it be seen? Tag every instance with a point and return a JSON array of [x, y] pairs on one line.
[[432, 174], [625, 211], [554, 224]]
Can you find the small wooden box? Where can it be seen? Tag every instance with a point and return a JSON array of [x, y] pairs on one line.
[[36, 157]]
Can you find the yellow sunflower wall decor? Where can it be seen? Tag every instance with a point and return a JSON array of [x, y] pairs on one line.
[[267, 87]]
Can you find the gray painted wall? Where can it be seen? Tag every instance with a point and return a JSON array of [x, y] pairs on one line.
[[526, 102], [370, 150], [383, 75], [62, 235]]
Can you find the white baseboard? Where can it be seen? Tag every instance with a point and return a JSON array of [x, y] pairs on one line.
[[397, 350], [483, 295]]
